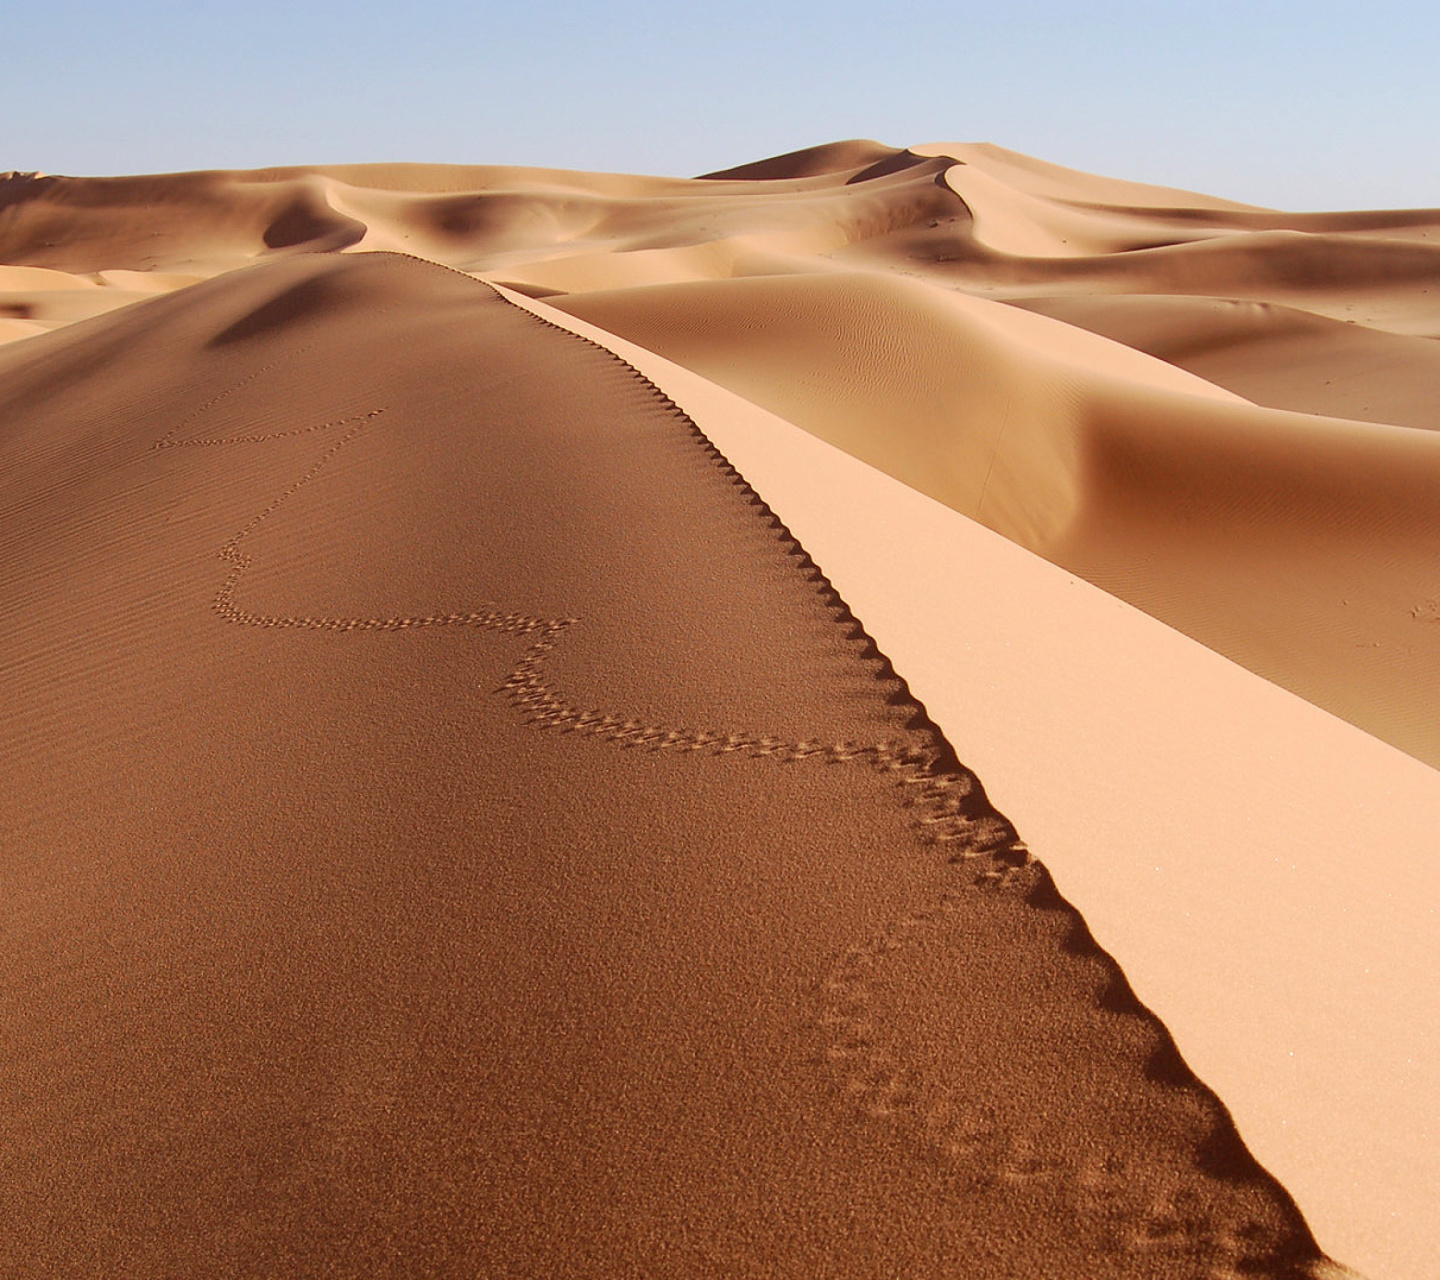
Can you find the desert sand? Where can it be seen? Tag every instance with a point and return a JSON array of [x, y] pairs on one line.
[[867, 714]]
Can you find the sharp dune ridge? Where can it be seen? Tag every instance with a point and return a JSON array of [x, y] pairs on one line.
[[1234, 1213], [394, 984]]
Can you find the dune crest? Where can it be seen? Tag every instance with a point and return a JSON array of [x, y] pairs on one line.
[[1193, 809]]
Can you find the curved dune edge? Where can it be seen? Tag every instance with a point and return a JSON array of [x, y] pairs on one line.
[[1190, 810], [1296, 545]]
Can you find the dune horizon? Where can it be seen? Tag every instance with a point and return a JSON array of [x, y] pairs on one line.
[[865, 709]]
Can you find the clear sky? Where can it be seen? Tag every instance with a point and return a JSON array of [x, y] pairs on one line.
[[1297, 105]]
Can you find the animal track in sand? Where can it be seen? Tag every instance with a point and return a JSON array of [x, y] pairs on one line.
[[948, 808], [954, 811], [1149, 1212]]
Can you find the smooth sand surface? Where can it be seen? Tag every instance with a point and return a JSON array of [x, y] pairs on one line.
[[1284, 924], [1273, 355], [327, 959]]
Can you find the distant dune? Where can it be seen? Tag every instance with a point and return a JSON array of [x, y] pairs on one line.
[[462, 817]]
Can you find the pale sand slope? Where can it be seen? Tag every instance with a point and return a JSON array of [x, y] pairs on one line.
[[1302, 547], [1307, 569], [452, 829], [1263, 870], [1273, 355]]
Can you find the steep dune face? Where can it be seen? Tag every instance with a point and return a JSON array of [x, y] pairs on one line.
[[964, 399], [1213, 823], [1301, 547]]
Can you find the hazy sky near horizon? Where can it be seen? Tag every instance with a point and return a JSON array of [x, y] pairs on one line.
[[1291, 104]]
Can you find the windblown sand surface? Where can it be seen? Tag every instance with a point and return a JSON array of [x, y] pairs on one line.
[[452, 826]]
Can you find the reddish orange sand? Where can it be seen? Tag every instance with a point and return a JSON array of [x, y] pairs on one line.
[[453, 827]]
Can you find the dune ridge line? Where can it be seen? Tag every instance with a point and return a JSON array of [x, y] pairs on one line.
[[877, 1079], [948, 805]]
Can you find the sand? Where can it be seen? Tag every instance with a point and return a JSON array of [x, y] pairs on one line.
[[456, 828], [1189, 805]]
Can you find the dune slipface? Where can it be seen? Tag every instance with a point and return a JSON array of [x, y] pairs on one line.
[[454, 829]]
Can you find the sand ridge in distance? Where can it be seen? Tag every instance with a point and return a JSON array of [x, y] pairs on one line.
[[1292, 539], [879, 234]]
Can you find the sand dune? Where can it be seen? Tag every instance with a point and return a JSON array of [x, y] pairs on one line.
[[872, 265], [362, 945], [454, 826]]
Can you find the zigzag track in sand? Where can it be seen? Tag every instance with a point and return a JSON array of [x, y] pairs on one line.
[[946, 801]]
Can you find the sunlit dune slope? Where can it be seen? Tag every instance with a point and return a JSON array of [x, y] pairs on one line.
[[1217, 828]]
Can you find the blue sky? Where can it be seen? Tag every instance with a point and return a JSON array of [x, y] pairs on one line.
[[1306, 106]]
